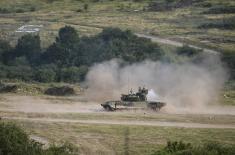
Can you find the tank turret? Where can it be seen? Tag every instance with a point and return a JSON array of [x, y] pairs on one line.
[[133, 101], [141, 95]]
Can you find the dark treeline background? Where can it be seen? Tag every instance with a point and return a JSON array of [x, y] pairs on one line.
[[70, 56]]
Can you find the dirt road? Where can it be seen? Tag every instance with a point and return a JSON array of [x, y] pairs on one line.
[[115, 122], [62, 106], [174, 43]]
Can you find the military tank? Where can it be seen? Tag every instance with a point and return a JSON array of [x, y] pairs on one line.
[[133, 101]]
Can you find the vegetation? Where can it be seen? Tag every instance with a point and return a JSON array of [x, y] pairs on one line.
[[220, 9], [180, 22], [181, 148], [14, 141], [118, 139], [168, 5], [227, 24], [70, 56], [187, 51], [229, 58]]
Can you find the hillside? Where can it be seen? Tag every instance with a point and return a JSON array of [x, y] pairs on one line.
[[208, 23]]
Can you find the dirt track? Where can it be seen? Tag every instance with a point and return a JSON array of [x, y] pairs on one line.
[[114, 122], [46, 105], [174, 43]]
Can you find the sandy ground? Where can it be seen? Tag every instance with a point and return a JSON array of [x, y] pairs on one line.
[[43, 104], [58, 105], [114, 122]]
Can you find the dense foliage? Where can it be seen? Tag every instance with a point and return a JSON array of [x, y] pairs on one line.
[[14, 141], [69, 57], [181, 148]]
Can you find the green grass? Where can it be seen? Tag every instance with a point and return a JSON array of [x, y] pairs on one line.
[[118, 139]]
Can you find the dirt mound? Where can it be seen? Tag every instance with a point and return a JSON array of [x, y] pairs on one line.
[[60, 91], [8, 88]]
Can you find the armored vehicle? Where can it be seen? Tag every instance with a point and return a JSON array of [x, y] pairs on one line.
[[133, 101]]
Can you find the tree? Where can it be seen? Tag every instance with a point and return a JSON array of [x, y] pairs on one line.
[[63, 51], [67, 36], [45, 75], [71, 74], [29, 46], [5, 48], [110, 33]]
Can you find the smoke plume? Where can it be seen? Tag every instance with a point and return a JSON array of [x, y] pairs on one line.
[[186, 85]]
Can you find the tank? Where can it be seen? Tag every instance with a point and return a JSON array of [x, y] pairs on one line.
[[133, 101]]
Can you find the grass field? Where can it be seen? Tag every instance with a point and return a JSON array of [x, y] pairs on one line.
[[77, 127], [122, 139], [24, 107], [180, 24]]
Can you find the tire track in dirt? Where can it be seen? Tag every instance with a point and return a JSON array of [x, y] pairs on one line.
[[135, 123]]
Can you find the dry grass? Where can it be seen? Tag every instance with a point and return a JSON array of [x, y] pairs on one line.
[[118, 139], [177, 24]]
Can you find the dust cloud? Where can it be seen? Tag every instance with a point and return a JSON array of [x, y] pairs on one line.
[[185, 87]]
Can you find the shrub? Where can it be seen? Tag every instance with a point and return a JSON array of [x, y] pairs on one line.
[[181, 148], [45, 75], [14, 141], [220, 10], [71, 74], [5, 47], [24, 73], [187, 51], [229, 59], [227, 23], [60, 91], [85, 6]]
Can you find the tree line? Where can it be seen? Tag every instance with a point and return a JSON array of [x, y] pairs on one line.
[[70, 56]]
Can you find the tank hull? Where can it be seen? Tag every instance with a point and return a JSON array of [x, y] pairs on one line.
[[127, 105]]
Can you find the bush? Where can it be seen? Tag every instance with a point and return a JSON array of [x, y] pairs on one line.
[[5, 47], [71, 74], [85, 6], [4, 88], [65, 149], [229, 59], [221, 10], [14, 141], [168, 5], [45, 75], [24, 73], [187, 51], [227, 23], [60, 91], [181, 148]]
